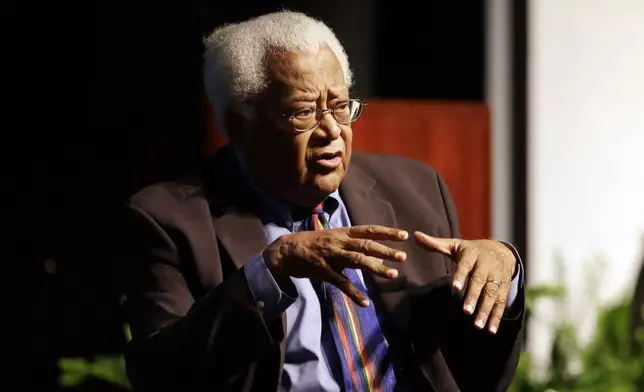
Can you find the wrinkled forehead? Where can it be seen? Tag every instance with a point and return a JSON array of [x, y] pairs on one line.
[[305, 75]]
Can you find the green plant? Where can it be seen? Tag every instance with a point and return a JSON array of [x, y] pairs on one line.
[[611, 362], [108, 368], [111, 369]]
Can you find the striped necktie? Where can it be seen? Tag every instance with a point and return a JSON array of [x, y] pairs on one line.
[[356, 331]]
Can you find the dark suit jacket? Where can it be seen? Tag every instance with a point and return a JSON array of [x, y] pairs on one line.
[[195, 324]]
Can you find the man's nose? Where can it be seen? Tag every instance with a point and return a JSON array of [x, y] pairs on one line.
[[329, 126]]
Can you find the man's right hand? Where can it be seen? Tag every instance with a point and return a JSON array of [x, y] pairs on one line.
[[324, 254]]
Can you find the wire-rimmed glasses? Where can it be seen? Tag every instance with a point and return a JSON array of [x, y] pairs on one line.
[[307, 118]]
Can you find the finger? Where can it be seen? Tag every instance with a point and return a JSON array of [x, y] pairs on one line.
[[377, 232], [489, 297], [496, 315], [375, 249], [465, 262], [344, 284], [447, 246], [361, 261], [474, 288]]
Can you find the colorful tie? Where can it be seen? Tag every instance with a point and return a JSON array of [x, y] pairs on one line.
[[356, 331]]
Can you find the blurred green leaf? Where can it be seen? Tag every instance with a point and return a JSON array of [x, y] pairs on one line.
[[73, 371], [536, 293], [108, 368], [127, 333], [545, 291], [111, 369], [613, 361]]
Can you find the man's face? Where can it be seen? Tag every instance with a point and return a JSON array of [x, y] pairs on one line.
[[301, 167]]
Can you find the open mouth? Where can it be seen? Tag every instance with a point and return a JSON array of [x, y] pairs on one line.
[[329, 160]]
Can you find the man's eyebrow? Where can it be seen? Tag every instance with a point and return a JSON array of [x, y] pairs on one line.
[[338, 93], [302, 97]]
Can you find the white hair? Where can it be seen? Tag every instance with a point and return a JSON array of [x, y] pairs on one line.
[[235, 56]]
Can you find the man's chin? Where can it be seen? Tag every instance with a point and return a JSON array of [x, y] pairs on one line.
[[328, 182]]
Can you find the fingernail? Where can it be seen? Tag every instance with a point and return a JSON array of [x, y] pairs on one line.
[[403, 235], [493, 329], [365, 302], [458, 284], [392, 273], [479, 323], [402, 256], [469, 308]]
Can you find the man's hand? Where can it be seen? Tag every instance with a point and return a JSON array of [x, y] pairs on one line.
[[324, 254], [490, 266]]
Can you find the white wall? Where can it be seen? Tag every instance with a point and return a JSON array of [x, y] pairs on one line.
[[498, 77], [585, 151]]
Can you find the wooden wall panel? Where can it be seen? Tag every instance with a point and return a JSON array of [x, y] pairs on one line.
[[452, 137]]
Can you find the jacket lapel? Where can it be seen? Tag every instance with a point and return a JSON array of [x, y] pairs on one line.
[[233, 208], [242, 235], [234, 214], [366, 206]]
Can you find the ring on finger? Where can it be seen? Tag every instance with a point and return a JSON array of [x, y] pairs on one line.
[[496, 282]]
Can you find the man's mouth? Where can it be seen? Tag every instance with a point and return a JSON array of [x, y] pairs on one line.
[[329, 160]]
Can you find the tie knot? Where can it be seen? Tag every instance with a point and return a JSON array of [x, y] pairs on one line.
[[319, 209]]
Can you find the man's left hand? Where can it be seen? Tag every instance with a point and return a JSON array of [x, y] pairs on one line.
[[490, 266]]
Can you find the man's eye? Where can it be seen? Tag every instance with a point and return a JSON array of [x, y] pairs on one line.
[[341, 107], [304, 113]]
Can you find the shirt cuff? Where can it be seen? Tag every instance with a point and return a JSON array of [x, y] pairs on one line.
[[517, 280], [272, 299]]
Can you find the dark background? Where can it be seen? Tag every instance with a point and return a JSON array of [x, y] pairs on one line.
[[114, 102]]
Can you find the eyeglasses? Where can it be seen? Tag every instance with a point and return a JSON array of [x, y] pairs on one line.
[[309, 117]]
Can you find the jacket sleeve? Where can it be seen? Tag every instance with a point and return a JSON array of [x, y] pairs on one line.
[[478, 360], [180, 342]]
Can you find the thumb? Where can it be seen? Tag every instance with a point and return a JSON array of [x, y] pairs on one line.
[[447, 246]]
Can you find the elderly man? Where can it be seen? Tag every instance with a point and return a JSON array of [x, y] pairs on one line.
[[286, 263]]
